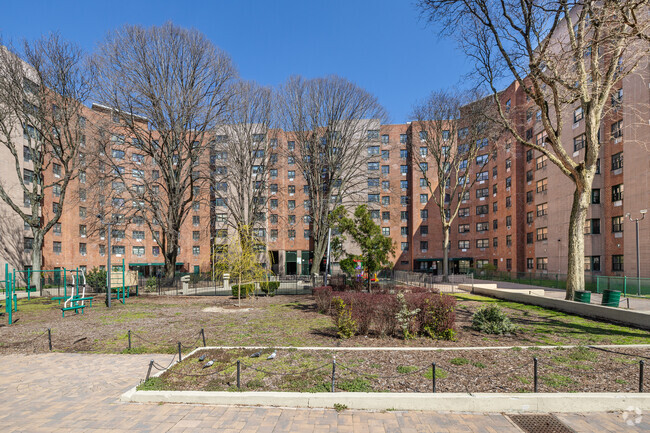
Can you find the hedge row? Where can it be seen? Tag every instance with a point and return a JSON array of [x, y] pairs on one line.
[[402, 313], [267, 287]]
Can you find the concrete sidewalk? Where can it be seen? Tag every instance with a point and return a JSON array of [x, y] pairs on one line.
[[73, 392]]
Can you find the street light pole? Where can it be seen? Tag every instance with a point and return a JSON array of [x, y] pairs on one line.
[[638, 258]]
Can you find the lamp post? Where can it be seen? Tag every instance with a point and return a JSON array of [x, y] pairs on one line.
[[638, 259], [108, 264]]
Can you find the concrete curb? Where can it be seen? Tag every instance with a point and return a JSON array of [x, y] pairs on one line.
[[421, 349], [440, 402], [637, 319]]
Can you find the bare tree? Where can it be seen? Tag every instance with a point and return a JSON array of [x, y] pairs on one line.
[[454, 131], [166, 88], [329, 119], [242, 156], [42, 125], [564, 55]]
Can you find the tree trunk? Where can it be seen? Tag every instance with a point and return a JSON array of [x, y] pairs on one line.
[[445, 253], [170, 256], [37, 261], [319, 252], [576, 267]]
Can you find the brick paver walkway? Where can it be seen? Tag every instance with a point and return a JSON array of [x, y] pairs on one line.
[[72, 392]]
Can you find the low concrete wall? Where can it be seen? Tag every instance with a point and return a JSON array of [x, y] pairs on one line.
[[443, 402], [637, 319]]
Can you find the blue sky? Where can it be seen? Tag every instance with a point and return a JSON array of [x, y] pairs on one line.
[[381, 45]]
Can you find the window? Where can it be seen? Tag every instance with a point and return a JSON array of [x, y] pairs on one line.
[[424, 198], [508, 264], [117, 154], [403, 169], [578, 115], [385, 216], [385, 185], [403, 138], [463, 197], [373, 150], [495, 242], [273, 173], [542, 263], [463, 228], [373, 182], [508, 240], [509, 221], [196, 220], [424, 166], [530, 263], [404, 246], [542, 209], [291, 174], [617, 224], [385, 231], [578, 142], [482, 227], [495, 206], [373, 134], [481, 263], [542, 233], [463, 245], [291, 204], [595, 196], [529, 217], [529, 176], [482, 243], [291, 189], [306, 233], [617, 129], [424, 246], [291, 145], [529, 155], [481, 160], [423, 135], [56, 169], [617, 161], [82, 249], [542, 185], [373, 198], [384, 139], [56, 247], [82, 212], [592, 226], [617, 263], [529, 238], [385, 200], [495, 224], [138, 251], [482, 176], [592, 263], [374, 214], [404, 184], [404, 231], [617, 192], [291, 233], [82, 230], [482, 210], [463, 212], [385, 155], [373, 166], [598, 166], [482, 192]]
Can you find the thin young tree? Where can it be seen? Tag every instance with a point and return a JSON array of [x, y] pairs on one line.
[[242, 156], [42, 126], [166, 88], [329, 119], [452, 130], [564, 55]]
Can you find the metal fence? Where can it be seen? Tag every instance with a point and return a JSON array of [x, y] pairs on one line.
[[205, 285], [630, 286]]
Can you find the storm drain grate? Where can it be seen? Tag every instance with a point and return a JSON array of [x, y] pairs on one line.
[[540, 424]]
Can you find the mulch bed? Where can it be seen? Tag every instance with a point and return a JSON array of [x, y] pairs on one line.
[[159, 322], [507, 370]]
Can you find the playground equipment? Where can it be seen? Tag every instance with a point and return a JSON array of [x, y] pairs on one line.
[[11, 300], [76, 302], [122, 281]]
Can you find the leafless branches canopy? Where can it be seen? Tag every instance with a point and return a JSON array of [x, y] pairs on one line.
[[454, 130], [43, 128], [563, 55], [242, 155], [328, 118], [166, 88]]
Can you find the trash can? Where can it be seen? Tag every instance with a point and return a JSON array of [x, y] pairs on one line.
[[611, 298], [582, 296]]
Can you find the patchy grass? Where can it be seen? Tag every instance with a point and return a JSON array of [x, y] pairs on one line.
[[459, 361], [406, 369], [555, 380]]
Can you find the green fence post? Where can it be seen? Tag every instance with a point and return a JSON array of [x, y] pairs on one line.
[[597, 284], [65, 285], [29, 289], [9, 294], [625, 286]]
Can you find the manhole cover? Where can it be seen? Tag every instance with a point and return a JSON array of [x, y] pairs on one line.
[[540, 424]]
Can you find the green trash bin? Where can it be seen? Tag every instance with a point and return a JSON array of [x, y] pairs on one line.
[[611, 298], [582, 296]]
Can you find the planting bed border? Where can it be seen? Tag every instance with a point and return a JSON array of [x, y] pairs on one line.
[[439, 402]]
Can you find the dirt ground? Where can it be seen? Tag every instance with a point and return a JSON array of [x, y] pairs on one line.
[[510, 370], [158, 323]]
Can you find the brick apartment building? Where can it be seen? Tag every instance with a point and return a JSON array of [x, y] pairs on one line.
[[515, 218]]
